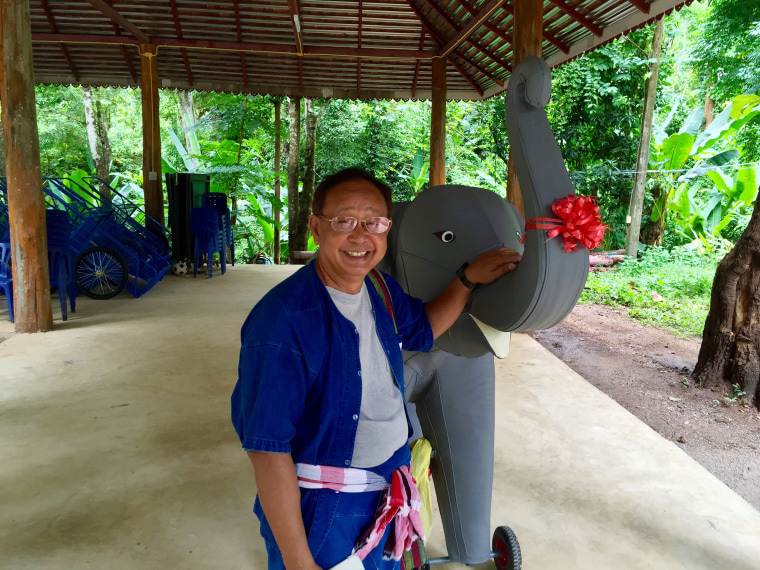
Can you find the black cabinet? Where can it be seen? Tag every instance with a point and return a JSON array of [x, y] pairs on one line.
[[185, 191]]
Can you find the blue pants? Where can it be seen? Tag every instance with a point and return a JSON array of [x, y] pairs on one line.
[[333, 521]]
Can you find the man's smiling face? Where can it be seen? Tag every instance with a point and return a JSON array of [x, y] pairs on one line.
[[346, 259]]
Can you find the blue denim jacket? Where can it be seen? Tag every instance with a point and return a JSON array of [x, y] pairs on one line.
[[299, 385], [299, 376]]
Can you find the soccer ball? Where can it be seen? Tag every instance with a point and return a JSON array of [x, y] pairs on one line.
[[180, 268]]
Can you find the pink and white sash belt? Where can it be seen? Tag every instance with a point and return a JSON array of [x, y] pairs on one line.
[[400, 504], [349, 480]]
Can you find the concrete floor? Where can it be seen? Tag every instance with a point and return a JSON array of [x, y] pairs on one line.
[[116, 451]]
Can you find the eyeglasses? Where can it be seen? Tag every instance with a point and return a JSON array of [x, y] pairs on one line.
[[347, 224]]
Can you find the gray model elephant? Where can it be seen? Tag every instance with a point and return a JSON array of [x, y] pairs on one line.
[[452, 387]]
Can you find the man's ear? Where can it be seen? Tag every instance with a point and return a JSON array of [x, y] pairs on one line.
[[314, 227]]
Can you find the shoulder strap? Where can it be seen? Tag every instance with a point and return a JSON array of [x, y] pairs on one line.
[[382, 289]]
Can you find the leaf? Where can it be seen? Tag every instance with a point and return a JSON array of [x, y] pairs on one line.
[[721, 181], [189, 166], [166, 167], [676, 149], [713, 213], [693, 122], [742, 105], [258, 212], [746, 182], [714, 131], [724, 222]]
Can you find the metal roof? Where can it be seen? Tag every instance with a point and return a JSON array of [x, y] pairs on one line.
[[347, 49]]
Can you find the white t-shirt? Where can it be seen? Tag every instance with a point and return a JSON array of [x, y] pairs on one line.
[[382, 428]]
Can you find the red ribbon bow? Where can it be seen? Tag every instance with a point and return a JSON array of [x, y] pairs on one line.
[[579, 222]]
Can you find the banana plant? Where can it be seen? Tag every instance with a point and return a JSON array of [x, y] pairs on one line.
[[696, 211]]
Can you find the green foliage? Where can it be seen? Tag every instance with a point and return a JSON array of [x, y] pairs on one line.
[[665, 289], [705, 199], [595, 113], [728, 55]]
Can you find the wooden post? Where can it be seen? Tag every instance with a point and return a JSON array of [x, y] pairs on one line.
[[154, 194], [26, 204], [277, 144], [438, 124], [636, 205], [526, 41]]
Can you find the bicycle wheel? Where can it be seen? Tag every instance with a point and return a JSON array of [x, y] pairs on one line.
[[100, 272]]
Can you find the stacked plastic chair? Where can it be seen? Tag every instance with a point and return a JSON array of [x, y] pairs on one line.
[[60, 258], [6, 277], [218, 201], [208, 239]]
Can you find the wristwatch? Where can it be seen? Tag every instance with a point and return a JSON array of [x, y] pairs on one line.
[[463, 278]]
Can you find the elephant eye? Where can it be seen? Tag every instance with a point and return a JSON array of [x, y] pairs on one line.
[[446, 236]]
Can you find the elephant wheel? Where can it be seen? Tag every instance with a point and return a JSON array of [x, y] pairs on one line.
[[100, 273], [506, 550]]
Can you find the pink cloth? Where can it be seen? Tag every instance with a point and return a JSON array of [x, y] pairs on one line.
[[400, 504]]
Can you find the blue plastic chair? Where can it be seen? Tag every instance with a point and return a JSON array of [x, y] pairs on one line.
[[204, 225], [6, 277], [218, 201], [60, 259]]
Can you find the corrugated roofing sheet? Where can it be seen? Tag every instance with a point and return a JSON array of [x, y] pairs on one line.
[[337, 48]]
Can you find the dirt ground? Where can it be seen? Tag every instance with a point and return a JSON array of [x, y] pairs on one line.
[[647, 371]]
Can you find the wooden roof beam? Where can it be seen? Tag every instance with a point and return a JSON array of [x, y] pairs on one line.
[[641, 5], [124, 53], [488, 25], [54, 29], [117, 18], [239, 30], [480, 69], [178, 30], [237, 46], [417, 66], [456, 28], [295, 17], [437, 40], [359, 63], [469, 79], [578, 17], [474, 23]]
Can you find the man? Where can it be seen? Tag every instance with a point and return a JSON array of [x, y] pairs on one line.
[[321, 376]]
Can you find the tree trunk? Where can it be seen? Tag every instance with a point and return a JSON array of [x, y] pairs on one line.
[[97, 136], [642, 159], [730, 351], [294, 154], [233, 192], [652, 233], [311, 122], [709, 111], [187, 118], [276, 207], [307, 190]]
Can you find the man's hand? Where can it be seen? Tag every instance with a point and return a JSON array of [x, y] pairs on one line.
[[486, 268], [491, 265], [277, 486]]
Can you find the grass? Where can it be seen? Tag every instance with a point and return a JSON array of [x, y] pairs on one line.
[[667, 289]]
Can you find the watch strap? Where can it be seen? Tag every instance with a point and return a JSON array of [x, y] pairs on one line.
[[463, 277]]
